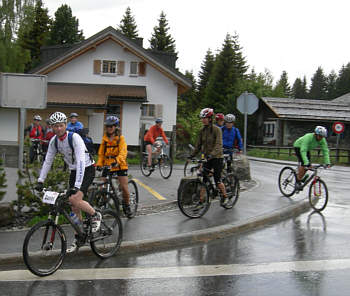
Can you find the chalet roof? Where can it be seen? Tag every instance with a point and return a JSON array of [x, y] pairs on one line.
[[89, 94], [343, 99], [302, 109], [112, 34]]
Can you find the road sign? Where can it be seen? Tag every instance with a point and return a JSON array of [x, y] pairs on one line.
[[247, 103], [338, 127]]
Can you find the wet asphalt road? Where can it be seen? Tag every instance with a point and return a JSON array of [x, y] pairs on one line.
[[307, 255]]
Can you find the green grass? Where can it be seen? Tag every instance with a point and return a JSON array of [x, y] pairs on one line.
[[36, 219]]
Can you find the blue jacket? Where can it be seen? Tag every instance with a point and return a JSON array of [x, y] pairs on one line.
[[78, 126], [231, 138]]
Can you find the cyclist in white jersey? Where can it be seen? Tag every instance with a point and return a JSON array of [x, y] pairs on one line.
[[80, 165]]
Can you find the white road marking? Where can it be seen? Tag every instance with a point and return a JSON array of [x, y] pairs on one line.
[[179, 271]]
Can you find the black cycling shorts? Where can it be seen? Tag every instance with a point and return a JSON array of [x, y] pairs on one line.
[[89, 176], [119, 173], [217, 164], [298, 155]]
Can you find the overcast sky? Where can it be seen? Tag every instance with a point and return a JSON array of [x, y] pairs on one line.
[[297, 36]]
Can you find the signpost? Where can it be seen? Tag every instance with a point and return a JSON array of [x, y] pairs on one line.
[[23, 91], [338, 128], [247, 104]]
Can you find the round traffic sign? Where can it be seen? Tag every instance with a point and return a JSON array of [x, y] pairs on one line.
[[338, 127]]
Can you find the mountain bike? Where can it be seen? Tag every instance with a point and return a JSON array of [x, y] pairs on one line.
[[318, 192], [195, 196], [45, 244], [105, 196], [35, 152], [160, 159]]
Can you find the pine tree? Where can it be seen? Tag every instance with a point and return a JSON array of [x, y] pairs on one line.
[[161, 40], [128, 25], [38, 35], [65, 27], [331, 86], [283, 86], [204, 74], [318, 89], [343, 81], [187, 102], [229, 69]]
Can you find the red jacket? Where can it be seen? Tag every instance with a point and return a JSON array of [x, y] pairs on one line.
[[35, 132], [153, 133]]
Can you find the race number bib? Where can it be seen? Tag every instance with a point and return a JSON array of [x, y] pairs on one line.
[[50, 197]]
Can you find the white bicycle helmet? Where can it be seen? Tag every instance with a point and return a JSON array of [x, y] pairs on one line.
[[320, 130], [37, 117], [230, 118], [206, 113], [58, 117]]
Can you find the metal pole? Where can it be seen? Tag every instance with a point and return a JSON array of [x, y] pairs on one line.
[[21, 137], [337, 148], [245, 123]]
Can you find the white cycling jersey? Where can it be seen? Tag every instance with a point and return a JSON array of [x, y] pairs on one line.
[[81, 158]]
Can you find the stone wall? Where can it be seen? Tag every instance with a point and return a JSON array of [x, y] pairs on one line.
[[9, 155]]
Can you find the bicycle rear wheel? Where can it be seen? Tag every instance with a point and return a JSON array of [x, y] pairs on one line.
[[107, 240], [133, 198], [232, 186], [287, 180], [193, 199], [318, 195], [144, 166], [44, 248], [165, 166]]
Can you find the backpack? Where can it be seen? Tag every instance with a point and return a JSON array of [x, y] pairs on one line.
[[70, 142]]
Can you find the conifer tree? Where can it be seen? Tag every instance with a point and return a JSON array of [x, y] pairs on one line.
[[128, 25], [283, 86], [318, 89], [204, 74], [343, 80], [229, 69], [38, 35], [331, 87], [161, 39], [65, 27]]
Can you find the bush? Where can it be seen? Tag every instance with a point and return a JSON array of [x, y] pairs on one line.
[[2, 180], [57, 180]]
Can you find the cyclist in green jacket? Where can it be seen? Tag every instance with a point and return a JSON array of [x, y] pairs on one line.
[[305, 144]]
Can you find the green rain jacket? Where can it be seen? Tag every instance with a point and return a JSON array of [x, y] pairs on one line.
[[309, 142]]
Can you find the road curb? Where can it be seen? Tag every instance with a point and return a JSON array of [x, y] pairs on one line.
[[194, 237]]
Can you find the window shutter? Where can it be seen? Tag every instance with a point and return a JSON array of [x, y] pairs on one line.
[[120, 67], [159, 111], [97, 66], [142, 69]]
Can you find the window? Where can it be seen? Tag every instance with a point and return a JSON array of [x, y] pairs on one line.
[[148, 110], [109, 67], [133, 68], [269, 129]]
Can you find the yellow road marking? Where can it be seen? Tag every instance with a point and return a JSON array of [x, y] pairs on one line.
[[150, 190]]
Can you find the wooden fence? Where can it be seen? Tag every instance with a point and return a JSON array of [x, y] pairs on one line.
[[280, 150]]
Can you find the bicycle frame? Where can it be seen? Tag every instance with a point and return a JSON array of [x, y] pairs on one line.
[[313, 177]]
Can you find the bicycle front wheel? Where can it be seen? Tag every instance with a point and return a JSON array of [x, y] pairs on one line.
[[101, 199], [44, 248], [144, 166], [193, 199], [107, 240], [286, 181], [232, 186], [318, 195], [165, 166], [133, 198]]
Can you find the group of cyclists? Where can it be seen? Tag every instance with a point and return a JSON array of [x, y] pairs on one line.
[[213, 141]]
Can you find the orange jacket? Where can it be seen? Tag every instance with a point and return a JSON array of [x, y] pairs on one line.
[[113, 151], [153, 133]]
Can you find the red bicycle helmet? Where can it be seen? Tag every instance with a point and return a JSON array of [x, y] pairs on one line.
[[206, 113]]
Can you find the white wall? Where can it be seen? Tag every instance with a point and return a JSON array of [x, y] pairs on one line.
[[160, 89], [131, 122], [8, 125]]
